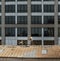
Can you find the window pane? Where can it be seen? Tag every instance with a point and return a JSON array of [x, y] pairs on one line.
[[59, 32], [21, 8], [22, 20], [36, 32], [48, 19], [21, 42], [9, 19], [36, 20], [9, 31], [48, 32], [22, 31], [48, 8], [9, 8], [36, 8], [36, 42], [9, 0], [48, 42]]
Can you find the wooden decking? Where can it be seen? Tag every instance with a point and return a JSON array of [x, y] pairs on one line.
[[29, 52]]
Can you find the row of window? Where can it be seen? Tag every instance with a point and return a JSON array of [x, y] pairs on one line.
[[34, 20], [31, 0], [34, 8], [36, 42], [35, 32]]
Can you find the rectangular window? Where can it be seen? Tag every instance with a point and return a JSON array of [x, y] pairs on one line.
[[9, 8], [48, 8], [48, 42], [36, 20], [48, 19], [36, 42], [49, 32], [58, 32], [48, 0], [0, 19], [22, 32], [58, 19], [9, 31], [9, 0], [36, 32], [35, 0], [0, 31], [0, 8], [21, 0], [22, 20], [22, 8], [36, 8], [9, 19], [21, 42]]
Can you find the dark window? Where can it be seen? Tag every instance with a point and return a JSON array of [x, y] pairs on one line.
[[9, 32], [9, 19], [21, 42], [58, 8], [48, 42], [0, 8], [36, 20], [22, 20], [21, 8], [35, 0], [0, 19], [36, 32], [21, 0], [9, 0], [22, 32], [48, 0], [48, 32], [48, 19], [59, 32], [0, 31], [9, 8], [36, 8], [36, 42], [48, 8], [58, 19]]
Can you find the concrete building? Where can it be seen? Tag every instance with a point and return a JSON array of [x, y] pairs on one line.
[[22, 19]]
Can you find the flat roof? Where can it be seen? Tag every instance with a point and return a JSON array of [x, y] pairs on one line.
[[30, 52]]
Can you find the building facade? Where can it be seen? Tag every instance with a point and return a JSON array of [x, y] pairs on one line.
[[22, 19]]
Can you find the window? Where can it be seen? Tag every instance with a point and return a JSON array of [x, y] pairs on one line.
[[48, 0], [21, 8], [22, 31], [35, 32], [48, 19], [9, 0], [36, 42], [48, 42], [36, 8], [58, 8], [58, 19], [0, 8], [36, 20], [21, 0], [9, 8], [21, 42], [22, 20], [0, 31], [48, 8], [59, 32], [48, 32], [9, 19], [9, 31], [35, 0], [0, 19]]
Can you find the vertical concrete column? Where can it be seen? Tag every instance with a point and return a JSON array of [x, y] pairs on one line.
[[56, 22], [42, 23], [3, 21], [29, 21]]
